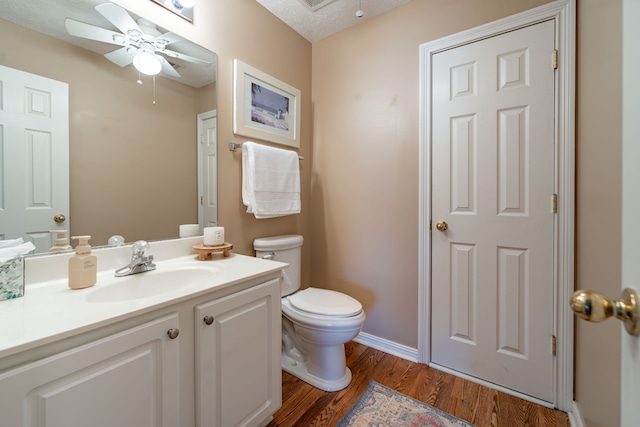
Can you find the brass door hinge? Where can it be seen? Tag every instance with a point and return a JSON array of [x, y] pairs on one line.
[[554, 59], [201, 200], [553, 345], [554, 203]]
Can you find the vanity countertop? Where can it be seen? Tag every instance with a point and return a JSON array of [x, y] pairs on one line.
[[50, 311]]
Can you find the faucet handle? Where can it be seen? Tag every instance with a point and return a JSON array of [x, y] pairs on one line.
[[139, 249]]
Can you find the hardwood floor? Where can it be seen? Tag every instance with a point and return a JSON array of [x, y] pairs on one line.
[[304, 405]]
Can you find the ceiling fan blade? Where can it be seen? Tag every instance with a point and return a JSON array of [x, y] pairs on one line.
[[120, 57], [173, 54], [88, 31], [120, 18], [167, 68]]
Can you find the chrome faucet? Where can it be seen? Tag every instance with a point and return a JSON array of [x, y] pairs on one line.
[[140, 261]]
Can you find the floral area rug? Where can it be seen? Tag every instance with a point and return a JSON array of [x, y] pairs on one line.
[[381, 406]]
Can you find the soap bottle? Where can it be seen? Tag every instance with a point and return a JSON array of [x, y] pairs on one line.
[[83, 267], [61, 243]]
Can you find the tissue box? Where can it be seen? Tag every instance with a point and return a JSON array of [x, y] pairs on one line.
[[12, 279]]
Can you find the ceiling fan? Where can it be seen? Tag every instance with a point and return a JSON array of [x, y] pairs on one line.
[[140, 41]]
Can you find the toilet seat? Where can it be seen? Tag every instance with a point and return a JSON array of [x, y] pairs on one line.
[[325, 302]]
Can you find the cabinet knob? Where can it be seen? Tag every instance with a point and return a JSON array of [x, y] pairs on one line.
[[173, 333], [208, 319]]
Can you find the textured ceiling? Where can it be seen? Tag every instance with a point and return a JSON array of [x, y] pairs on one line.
[[336, 16]]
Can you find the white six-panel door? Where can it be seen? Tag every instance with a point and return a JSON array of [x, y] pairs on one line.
[[34, 156], [207, 169], [492, 183]]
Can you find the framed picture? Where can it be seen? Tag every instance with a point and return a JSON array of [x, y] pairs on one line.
[[264, 107]]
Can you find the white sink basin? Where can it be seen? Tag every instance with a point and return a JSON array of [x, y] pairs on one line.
[[151, 283]]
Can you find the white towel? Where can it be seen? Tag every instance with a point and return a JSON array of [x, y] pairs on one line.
[[11, 251], [270, 181], [11, 243]]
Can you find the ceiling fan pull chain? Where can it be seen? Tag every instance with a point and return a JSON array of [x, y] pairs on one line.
[[154, 90]]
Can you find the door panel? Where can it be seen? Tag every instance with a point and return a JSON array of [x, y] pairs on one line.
[[493, 179]]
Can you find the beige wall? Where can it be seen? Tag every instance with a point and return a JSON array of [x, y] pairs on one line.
[[598, 204]]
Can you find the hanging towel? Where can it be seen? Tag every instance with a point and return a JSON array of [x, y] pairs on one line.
[[270, 181]]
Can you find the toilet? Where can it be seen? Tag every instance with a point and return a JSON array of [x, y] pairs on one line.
[[316, 323]]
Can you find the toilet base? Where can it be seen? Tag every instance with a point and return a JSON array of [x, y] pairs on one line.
[[299, 370]]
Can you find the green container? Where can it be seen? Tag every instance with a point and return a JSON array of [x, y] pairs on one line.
[[12, 279]]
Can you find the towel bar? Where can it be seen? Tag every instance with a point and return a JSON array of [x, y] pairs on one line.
[[233, 146]]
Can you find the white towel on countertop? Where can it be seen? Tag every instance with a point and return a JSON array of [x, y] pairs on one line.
[[270, 181], [11, 242], [10, 249]]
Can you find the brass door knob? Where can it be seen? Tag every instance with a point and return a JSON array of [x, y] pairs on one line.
[[594, 307], [442, 226], [59, 218]]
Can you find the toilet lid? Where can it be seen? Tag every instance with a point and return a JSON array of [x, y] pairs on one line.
[[325, 302]]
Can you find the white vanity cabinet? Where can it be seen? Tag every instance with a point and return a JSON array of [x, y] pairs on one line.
[[237, 350], [129, 378], [204, 356]]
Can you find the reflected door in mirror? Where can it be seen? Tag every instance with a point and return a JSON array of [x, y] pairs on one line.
[[34, 144], [208, 170]]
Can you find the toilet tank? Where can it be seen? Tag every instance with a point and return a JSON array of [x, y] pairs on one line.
[[286, 248]]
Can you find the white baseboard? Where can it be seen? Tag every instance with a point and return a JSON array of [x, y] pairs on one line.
[[575, 419], [399, 350]]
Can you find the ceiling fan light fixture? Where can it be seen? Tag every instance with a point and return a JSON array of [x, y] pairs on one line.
[[147, 63]]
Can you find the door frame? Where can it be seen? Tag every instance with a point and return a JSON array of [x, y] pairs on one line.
[[630, 346], [563, 14]]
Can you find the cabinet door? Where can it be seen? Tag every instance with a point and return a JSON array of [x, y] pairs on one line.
[[129, 379], [238, 375]]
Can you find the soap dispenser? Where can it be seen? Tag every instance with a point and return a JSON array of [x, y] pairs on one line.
[[61, 243], [83, 267]]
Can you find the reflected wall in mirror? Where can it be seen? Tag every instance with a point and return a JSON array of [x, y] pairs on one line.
[[133, 164]]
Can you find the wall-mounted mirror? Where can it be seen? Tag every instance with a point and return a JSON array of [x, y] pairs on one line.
[[133, 148]]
